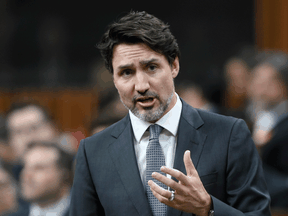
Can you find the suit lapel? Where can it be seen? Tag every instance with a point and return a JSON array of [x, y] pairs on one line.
[[189, 138], [123, 155]]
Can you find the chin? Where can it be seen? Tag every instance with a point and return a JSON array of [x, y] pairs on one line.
[[150, 116]]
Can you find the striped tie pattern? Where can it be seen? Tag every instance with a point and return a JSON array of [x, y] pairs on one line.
[[154, 160]]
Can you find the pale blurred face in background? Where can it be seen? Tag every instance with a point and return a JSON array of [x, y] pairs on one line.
[[42, 179], [193, 96], [266, 86], [26, 125], [237, 76]]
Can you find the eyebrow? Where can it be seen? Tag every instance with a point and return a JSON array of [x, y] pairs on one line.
[[146, 62], [125, 66], [142, 63]]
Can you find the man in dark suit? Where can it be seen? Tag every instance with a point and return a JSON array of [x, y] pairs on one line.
[[209, 163]]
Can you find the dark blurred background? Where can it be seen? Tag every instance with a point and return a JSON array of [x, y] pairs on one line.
[[52, 43], [51, 70]]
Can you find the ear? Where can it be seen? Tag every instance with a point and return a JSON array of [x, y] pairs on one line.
[[175, 67]]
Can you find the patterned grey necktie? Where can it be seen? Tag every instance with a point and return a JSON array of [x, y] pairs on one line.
[[154, 160]]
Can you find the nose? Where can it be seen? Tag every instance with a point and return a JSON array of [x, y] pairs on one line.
[[26, 174], [141, 82]]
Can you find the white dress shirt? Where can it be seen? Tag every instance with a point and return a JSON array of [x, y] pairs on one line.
[[167, 138]]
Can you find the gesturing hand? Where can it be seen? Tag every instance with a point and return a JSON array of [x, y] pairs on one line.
[[190, 194]]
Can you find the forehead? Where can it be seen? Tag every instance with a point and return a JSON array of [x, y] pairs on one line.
[[41, 156], [25, 116], [129, 53]]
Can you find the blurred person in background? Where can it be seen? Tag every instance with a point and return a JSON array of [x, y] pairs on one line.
[[27, 122], [110, 110], [110, 104], [6, 152], [237, 76], [69, 142], [275, 164], [46, 180], [268, 92], [237, 73], [8, 193], [196, 96]]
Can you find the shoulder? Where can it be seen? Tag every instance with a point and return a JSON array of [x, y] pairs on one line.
[[217, 120], [206, 118], [221, 125]]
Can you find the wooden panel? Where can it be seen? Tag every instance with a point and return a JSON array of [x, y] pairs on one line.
[[43, 97], [72, 109], [271, 24], [5, 101], [278, 212], [75, 109]]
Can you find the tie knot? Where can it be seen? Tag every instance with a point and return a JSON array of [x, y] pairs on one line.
[[155, 131]]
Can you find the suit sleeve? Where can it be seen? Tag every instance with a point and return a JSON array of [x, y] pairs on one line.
[[84, 199], [246, 188], [277, 183]]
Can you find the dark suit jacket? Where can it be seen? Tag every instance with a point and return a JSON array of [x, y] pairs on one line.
[[275, 164], [274, 153], [107, 179]]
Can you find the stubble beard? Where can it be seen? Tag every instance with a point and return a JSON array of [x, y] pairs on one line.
[[149, 114]]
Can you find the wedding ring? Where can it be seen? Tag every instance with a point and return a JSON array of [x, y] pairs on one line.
[[172, 196]]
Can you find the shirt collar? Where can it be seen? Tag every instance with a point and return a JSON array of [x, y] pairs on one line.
[[169, 121]]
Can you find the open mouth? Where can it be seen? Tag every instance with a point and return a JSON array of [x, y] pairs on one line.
[[145, 99]]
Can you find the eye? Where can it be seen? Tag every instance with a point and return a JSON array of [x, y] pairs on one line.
[[152, 67], [126, 72]]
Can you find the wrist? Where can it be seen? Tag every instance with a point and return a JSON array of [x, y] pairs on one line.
[[211, 210], [208, 207]]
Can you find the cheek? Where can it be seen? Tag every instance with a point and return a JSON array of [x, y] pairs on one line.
[[125, 94], [44, 178], [275, 91], [166, 86], [40, 179]]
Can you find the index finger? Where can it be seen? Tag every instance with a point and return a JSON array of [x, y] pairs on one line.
[[177, 174]]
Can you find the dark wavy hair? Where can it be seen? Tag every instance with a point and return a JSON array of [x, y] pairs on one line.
[[139, 27]]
